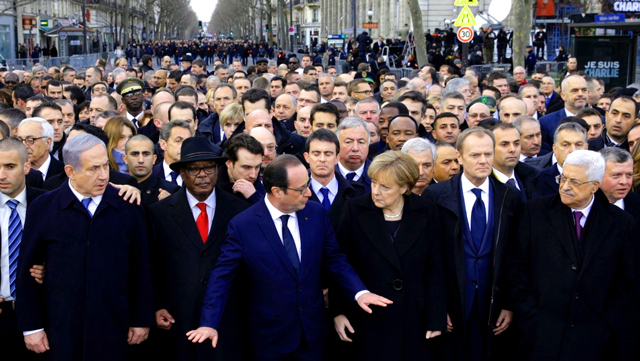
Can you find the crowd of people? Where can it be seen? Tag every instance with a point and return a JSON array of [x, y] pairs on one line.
[[290, 210]]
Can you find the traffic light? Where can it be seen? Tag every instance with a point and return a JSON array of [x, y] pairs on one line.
[[266, 28], [200, 25]]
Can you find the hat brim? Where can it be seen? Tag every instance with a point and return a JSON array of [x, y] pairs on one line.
[[176, 166]]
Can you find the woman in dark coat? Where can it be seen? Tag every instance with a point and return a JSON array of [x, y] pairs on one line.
[[392, 239]]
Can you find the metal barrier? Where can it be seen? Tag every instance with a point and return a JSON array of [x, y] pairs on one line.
[[550, 66], [489, 68], [78, 62]]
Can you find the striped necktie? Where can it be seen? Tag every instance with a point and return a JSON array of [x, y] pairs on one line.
[[15, 236]]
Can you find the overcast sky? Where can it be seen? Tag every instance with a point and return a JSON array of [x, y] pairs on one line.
[[203, 8]]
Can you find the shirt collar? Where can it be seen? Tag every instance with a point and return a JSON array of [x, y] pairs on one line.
[[569, 114], [467, 186], [210, 201], [21, 198], [332, 186], [585, 211], [44, 168], [95, 199], [345, 171], [275, 212], [619, 203], [166, 168], [503, 178], [137, 117]]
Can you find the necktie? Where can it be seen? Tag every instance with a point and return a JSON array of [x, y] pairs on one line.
[[577, 215], [512, 182], [174, 177], [85, 203], [478, 219], [326, 203], [289, 244], [15, 236], [351, 175], [203, 221]]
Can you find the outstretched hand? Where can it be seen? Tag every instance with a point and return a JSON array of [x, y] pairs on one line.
[[202, 334], [372, 299]]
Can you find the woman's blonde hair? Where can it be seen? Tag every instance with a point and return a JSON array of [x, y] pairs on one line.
[[397, 167]]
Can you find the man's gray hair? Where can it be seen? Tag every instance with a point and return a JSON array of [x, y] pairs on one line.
[[592, 162], [615, 155], [295, 101], [326, 74], [419, 145], [107, 114], [47, 129], [38, 68], [575, 127], [165, 132], [368, 101], [353, 122], [453, 95], [454, 85], [77, 145], [523, 119], [63, 101], [117, 71]]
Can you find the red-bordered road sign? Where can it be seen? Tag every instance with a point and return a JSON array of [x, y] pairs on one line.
[[465, 34]]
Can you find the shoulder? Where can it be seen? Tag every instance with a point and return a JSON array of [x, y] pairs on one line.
[[167, 186]]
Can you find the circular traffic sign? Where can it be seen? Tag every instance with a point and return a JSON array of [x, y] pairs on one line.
[[465, 34]]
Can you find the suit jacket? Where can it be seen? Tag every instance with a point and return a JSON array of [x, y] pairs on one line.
[[545, 183], [555, 99], [150, 189], [409, 270], [181, 265], [549, 123], [97, 283], [506, 204], [346, 190], [34, 179], [55, 167], [284, 306], [150, 131], [570, 293], [541, 161], [603, 141], [525, 175]]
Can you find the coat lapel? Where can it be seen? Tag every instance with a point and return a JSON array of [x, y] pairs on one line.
[[597, 228], [268, 229], [184, 217], [373, 224], [410, 227], [221, 219], [558, 217], [305, 241]]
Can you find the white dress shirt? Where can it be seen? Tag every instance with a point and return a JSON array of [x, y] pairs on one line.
[[470, 198], [167, 174], [585, 212], [137, 118], [44, 168], [332, 186], [195, 210], [5, 213], [292, 224], [619, 203], [503, 178], [344, 171]]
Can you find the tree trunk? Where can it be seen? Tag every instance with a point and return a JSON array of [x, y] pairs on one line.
[[418, 32], [522, 10]]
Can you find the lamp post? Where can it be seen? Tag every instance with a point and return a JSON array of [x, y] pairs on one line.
[[370, 14]]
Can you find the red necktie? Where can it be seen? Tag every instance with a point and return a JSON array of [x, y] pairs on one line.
[[202, 221]]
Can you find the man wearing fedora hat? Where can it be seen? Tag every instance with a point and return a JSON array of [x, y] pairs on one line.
[[186, 232], [185, 63]]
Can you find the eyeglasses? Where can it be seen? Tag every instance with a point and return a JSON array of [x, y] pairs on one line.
[[30, 140], [11, 82], [133, 94], [300, 190], [208, 170], [573, 183]]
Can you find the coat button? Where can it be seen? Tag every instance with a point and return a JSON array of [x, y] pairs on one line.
[[572, 325], [203, 281], [577, 296], [573, 267], [300, 309], [398, 285]]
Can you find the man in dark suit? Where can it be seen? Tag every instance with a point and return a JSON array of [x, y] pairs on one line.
[[328, 187], [575, 94], [506, 167], [423, 153], [285, 293], [185, 244], [171, 137], [571, 286], [622, 115], [223, 95], [15, 196], [568, 138], [97, 265], [530, 138], [37, 134], [240, 174], [354, 148], [140, 158], [477, 214]]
